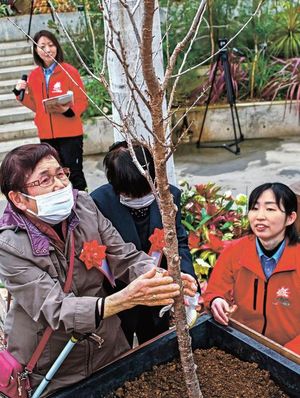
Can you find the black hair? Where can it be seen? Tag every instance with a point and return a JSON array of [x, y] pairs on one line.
[[59, 52], [123, 174], [285, 198], [18, 165]]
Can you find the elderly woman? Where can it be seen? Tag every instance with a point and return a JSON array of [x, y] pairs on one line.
[[43, 218]]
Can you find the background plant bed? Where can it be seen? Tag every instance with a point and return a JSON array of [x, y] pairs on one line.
[[163, 349], [257, 119]]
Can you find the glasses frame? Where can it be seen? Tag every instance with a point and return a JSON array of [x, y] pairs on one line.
[[37, 183]]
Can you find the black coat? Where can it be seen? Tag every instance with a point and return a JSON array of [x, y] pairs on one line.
[[142, 320], [119, 215]]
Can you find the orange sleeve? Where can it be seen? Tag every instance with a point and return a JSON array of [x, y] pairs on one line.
[[294, 345], [221, 280]]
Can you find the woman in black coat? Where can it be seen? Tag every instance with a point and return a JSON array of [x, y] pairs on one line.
[[127, 201]]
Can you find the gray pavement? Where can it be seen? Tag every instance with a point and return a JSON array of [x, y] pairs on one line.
[[260, 161]]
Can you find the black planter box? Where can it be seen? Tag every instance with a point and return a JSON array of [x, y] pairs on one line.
[[205, 334]]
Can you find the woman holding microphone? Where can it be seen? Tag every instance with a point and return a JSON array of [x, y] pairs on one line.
[[59, 125]]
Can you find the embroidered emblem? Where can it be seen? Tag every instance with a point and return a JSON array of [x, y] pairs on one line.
[[57, 88], [282, 297]]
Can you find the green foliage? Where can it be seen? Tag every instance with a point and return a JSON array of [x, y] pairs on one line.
[[211, 218], [98, 93], [264, 72], [239, 78], [178, 18], [286, 82], [91, 54], [287, 33], [4, 10], [274, 30]]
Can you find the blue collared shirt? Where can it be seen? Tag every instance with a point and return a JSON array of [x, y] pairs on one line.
[[269, 263], [48, 72]]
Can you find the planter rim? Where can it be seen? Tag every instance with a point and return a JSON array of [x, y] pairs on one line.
[[238, 104]]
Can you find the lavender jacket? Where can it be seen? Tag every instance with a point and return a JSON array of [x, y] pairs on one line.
[[34, 271]]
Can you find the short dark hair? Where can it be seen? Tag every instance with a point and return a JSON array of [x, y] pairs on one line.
[[18, 165], [285, 197], [45, 33], [123, 174]]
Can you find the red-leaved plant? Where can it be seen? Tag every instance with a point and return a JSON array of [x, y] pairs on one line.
[[212, 219], [239, 80], [285, 81]]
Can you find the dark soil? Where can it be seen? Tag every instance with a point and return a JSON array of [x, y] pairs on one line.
[[221, 375]]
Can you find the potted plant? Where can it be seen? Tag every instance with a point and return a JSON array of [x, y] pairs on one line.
[[212, 219]]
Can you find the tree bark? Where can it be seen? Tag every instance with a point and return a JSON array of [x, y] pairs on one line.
[[167, 206]]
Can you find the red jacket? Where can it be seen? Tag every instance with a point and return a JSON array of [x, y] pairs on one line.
[[271, 307], [55, 125]]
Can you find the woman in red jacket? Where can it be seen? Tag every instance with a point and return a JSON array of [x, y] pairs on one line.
[[60, 125], [259, 275]]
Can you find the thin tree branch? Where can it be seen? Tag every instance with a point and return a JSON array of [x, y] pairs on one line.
[[188, 110], [229, 41], [195, 33], [131, 17], [181, 45], [136, 6], [122, 58]]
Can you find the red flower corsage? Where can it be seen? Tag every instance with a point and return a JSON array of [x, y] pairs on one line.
[[157, 240], [92, 254]]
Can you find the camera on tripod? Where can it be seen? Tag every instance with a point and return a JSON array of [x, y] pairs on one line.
[[222, 43], [222, 59]]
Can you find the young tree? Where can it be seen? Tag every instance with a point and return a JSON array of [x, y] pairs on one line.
[[143, 80], [147, 90]]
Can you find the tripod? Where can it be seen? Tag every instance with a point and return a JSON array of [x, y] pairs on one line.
[[31, 13], [231, 99]]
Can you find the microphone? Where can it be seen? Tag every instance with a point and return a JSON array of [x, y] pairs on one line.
[[22, 93]]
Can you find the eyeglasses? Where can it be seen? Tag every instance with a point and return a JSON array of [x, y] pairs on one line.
[[48, 179]]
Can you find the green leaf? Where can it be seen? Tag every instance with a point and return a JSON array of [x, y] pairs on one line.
[[227, 225], [203, 221], [204, 255], [212, 259], [188, 225], [189, 218], [229, 205], [203, 213]]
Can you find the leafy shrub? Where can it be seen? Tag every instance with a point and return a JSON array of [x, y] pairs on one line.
[[4, 10], [286, 81], [287, 33], [239, 81], [212, 219], [99, 94]]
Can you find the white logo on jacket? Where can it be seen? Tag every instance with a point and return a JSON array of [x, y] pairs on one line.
[[57, 88], [282, 297]]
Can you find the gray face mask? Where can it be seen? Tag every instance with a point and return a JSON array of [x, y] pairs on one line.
[[53, 207], [137, 203]]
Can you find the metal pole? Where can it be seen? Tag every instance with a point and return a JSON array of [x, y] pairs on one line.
[[208, 101], [54, 368], [30, 18]]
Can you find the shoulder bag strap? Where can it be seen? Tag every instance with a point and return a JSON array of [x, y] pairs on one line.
[[48, 332]]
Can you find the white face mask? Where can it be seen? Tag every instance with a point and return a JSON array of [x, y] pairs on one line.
[[53, 207], [137, 203]]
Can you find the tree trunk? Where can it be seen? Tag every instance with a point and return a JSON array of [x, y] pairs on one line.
[[167, 207]]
